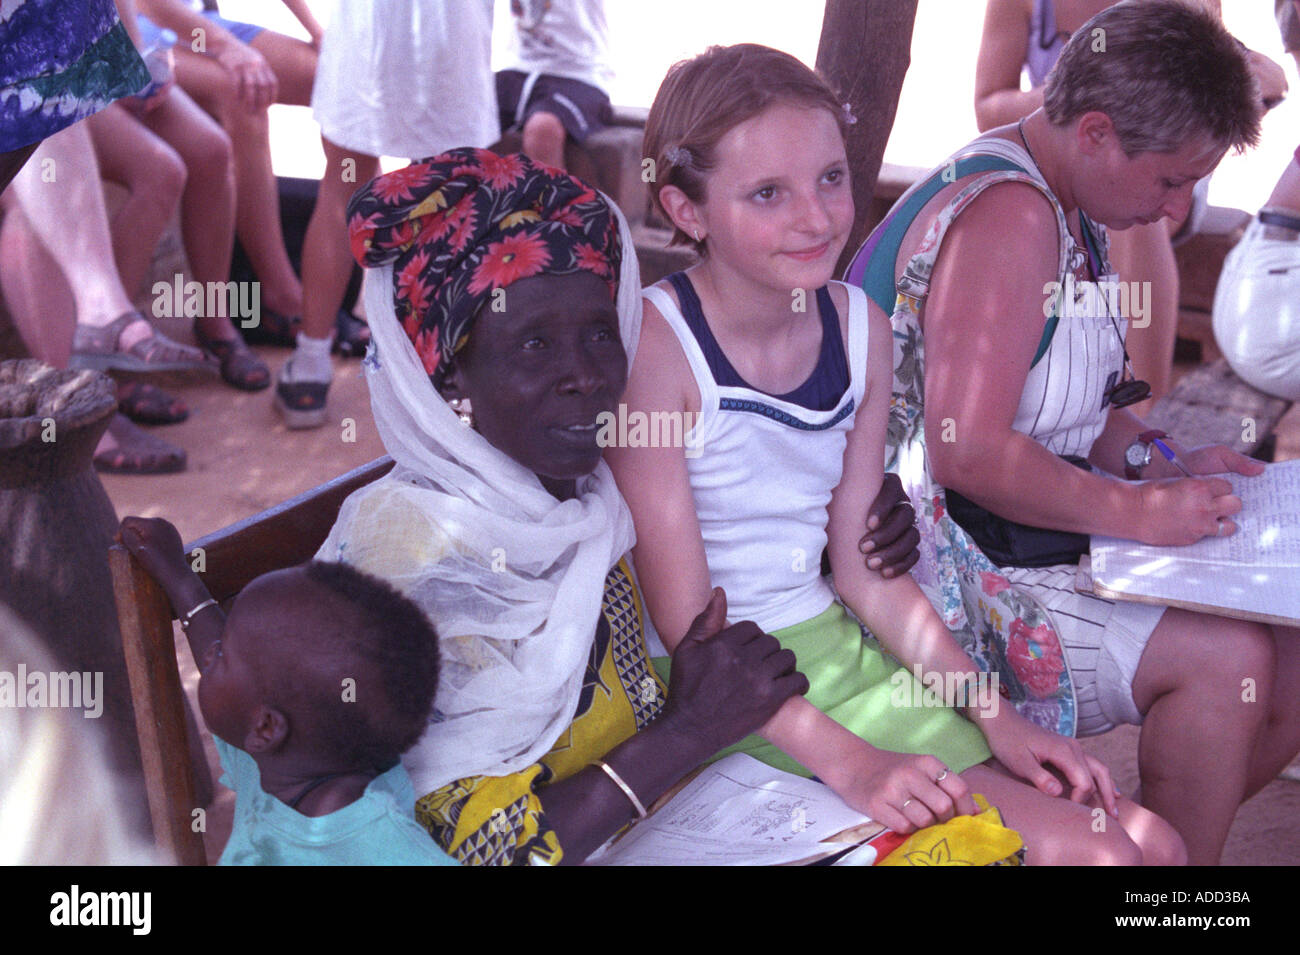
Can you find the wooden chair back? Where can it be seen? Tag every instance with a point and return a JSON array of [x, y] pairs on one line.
[[282, 536]]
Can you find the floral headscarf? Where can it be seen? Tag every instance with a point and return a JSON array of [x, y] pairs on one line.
[[459, 226], [511, 577]]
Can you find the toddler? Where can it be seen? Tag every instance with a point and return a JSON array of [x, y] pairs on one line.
[[313, 687]]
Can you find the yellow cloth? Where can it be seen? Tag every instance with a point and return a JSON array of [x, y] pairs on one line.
[[499, 820], [963, 840]]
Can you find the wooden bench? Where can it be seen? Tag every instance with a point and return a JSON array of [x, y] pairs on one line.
[[1211, 405]]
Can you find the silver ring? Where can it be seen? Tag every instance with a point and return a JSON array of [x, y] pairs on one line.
[[941, 777], [1218, 528], [905, 804]]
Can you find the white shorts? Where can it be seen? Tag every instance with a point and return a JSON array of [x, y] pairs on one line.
[[1103, 641]]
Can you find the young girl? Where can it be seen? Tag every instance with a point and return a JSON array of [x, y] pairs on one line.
[[788, 384]]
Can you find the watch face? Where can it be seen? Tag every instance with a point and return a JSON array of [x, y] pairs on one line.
[[1138, 455]]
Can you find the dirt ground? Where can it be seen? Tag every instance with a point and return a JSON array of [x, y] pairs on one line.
[[242, 459]]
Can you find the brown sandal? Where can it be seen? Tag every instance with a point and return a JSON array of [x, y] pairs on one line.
[[138, 452], [239, 366], [145, 404], [99, 348]]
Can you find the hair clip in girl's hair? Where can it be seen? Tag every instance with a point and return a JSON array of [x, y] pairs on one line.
[[678, 156], [849, 118]]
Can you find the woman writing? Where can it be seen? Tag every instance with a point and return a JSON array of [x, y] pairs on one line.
[[992, 282]]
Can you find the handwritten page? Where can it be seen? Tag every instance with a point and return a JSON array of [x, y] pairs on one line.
[[1253, 574], [736, 812]]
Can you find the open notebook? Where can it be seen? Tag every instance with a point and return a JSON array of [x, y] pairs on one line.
[[739, 811], [1252, 575]]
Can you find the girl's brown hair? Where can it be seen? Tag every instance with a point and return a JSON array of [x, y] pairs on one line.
[[702, 99]]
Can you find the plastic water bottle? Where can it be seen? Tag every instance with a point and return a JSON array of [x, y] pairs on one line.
[[160, 60]]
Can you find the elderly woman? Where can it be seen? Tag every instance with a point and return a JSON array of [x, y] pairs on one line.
[[987, 268], [517, 299]]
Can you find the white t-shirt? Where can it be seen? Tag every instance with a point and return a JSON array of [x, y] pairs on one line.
[[567, 38]]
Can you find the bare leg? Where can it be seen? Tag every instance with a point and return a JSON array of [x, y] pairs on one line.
[[326, 258], [1280, 739], [544, 137], [42, 305], [1204, 684], [303, 382], [60, 194], [257, 218], [154, 176], [62, 199], [257, 214], [208, 225], [208, 202], [1143, 254], [294, 63], [39, 298], [1057, 831]]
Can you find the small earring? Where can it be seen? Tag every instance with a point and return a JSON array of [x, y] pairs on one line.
[[697, 234], [463, 411]]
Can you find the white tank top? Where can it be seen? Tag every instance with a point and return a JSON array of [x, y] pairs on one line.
[[762, 480]]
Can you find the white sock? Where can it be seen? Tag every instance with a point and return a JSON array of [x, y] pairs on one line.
[[311, 360]]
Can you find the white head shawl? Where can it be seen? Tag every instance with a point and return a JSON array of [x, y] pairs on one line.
[[512, 578]]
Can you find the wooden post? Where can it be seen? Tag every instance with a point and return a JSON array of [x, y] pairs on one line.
[[864, 52]]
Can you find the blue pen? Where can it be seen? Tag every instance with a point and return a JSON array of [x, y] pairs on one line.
[[1172, 458]]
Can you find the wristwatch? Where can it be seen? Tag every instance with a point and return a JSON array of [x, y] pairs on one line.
[[1138, 454]]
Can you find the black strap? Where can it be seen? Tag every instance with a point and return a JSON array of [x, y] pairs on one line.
[[1011, 544], [1280, 218]]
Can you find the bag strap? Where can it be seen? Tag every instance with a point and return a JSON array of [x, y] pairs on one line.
[[880, 253]]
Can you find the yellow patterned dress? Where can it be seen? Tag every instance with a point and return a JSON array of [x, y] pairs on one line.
[[500, 820]]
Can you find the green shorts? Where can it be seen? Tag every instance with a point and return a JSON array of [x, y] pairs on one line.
[[866, 691]]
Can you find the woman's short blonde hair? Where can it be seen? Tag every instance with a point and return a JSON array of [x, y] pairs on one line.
[[1165, 72]]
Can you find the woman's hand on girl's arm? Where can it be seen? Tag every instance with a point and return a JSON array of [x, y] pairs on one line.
[[726, 682], [891, 541]]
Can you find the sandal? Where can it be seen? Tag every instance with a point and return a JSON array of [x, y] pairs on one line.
[[98, 348], [138, 452], [146, 404], [351, 335], [239, 366], [273, 328], [301, 402]]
